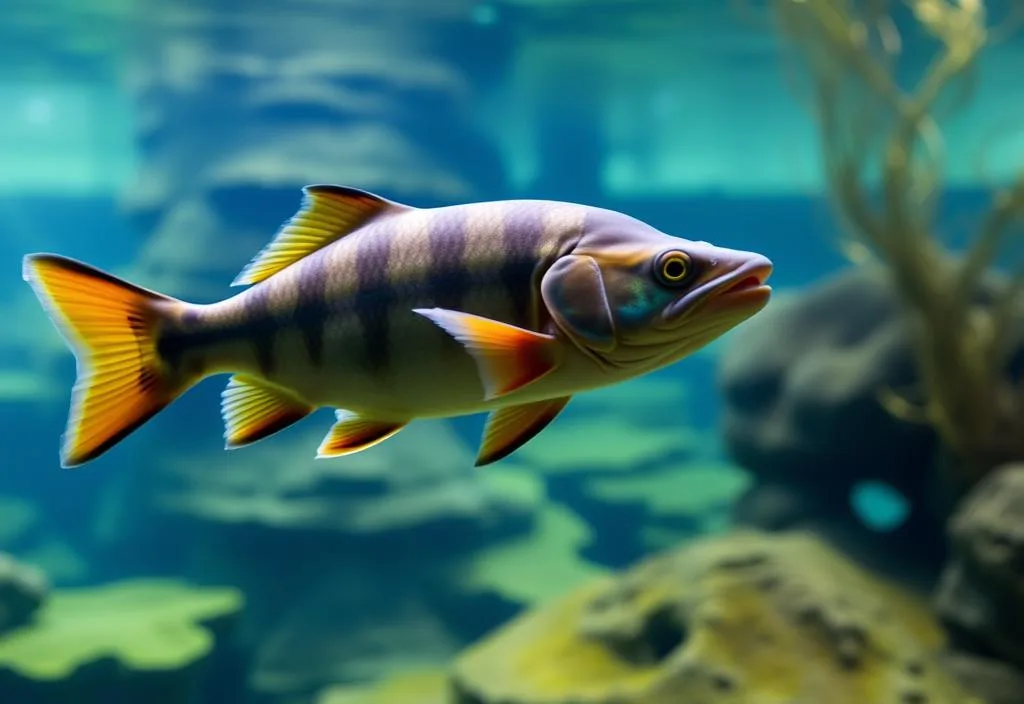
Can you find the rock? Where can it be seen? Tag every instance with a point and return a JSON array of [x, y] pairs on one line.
[[417, 687], [994, 681], [142, 640], [981, 593], [747, 617], [802, 384], [23, 590], [911, 553]]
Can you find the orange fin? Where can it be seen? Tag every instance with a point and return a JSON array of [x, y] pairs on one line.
[[510, 428], [508, 358], [112, 327], [327, 214], [354, 433], [254, 409]]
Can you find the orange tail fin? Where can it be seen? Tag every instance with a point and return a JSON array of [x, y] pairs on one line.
[[112, 327]]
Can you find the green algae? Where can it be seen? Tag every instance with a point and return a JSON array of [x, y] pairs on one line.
[[145, 625], [539, 565], [692, 490], [604, 444]]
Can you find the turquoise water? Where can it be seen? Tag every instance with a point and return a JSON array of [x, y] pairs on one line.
[[167, 142]]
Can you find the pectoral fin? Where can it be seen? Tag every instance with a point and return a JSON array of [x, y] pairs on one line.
[[507, 357], [354, 433], [510, 428], [253, 410]]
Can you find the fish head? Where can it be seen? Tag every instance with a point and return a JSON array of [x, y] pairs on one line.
[[635, 296]]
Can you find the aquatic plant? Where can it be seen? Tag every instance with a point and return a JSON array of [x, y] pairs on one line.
[[883, 159]]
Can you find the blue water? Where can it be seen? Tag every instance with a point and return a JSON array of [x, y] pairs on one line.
[[180, 176]]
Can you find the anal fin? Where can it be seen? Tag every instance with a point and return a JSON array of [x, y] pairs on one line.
[[253, 409], [352, 433], [510, 428], [508, 357]]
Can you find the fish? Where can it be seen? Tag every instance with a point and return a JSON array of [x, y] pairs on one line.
[[389, 313]]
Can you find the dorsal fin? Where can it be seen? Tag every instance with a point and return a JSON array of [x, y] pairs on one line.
[[327, 214]]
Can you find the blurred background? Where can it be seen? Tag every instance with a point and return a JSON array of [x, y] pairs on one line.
[[821, 507]]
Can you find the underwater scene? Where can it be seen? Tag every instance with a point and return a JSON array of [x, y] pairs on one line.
[[512, 352]]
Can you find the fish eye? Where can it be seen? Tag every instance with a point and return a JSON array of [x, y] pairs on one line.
[[672, 268]]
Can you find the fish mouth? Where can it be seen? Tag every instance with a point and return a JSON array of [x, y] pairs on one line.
[[742, 291]]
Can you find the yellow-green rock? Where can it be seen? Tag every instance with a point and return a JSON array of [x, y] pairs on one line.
[[420, 687], [126, 639], [741, 619]]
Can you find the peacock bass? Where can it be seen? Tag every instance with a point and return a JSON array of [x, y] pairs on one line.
[[389, 313]]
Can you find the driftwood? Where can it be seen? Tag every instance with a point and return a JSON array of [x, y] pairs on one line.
[[883, 159]]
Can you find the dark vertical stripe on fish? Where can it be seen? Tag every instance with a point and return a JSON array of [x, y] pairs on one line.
[[173, 340], [260, 326], [373, 299], [448, 280], [311, 309], [522, 237]]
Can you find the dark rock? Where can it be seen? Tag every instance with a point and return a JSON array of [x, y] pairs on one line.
[[981, 594], [23, 590], [994, 681], [804, 384]]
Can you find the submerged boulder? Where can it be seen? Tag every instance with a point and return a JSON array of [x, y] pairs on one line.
[[749, 617], [995, 681], [23, 590], [804, 383], [981, 593]]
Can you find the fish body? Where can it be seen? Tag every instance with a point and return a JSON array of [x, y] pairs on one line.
[[339, 327], [391, 313]]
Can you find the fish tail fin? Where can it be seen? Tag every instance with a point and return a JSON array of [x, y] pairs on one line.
[[112, 327]]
